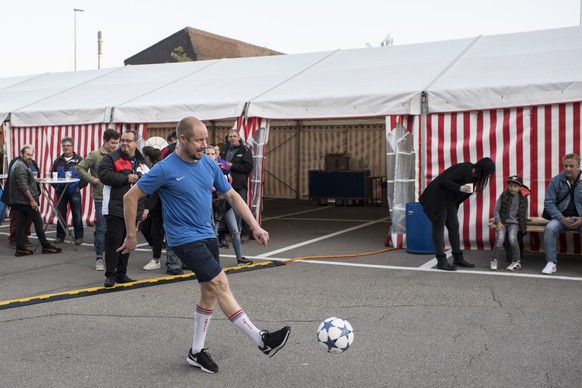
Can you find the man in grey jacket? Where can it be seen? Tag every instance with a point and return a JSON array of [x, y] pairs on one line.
[[24, 197], [564, 204]]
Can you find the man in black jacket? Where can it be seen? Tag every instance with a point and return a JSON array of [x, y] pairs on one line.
[[240, 161], [118, 171]]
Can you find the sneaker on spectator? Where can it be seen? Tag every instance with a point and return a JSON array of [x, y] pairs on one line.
[[59, 240], [274, 341], [153, 264], [243, 261], [202, 360], [99, 264], [109, 282], [515, 266], [493, 265], [79, 241], [123, 278], [175, 271], [550, 268], [23, 252], [51, 249]]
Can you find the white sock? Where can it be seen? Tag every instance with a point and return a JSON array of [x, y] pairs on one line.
[[242, 321], [201, 321]]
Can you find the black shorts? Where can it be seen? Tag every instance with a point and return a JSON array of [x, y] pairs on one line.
[[201, 257]]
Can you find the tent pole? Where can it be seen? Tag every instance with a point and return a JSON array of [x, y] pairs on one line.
[[299, 159]]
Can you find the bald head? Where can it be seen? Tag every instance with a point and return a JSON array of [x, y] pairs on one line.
[[187, 125], [192, 135]]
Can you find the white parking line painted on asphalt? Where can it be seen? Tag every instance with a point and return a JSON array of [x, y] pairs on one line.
[[418, 269], [293, 214], [327, 219], [429, 264], [268, 254]]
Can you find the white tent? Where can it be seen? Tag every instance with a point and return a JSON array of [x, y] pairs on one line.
[[461, 99], [19, 92], [505, 71], [486, 72]]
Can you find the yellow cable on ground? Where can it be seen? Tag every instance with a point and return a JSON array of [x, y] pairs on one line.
[[124, 286], [339, 256]]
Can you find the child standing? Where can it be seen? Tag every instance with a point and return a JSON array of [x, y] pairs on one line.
[[510, 217]]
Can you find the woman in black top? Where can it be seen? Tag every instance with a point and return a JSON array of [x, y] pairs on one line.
[[441, 199]]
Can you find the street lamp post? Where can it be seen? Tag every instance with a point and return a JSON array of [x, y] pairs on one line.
[[75, 10]]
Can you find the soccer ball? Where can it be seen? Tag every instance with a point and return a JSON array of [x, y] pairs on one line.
[[335, 335]]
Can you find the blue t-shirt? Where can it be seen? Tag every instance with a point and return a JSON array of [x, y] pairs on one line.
[[186, 193]]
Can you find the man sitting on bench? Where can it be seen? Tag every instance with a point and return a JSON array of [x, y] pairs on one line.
[[563, 203]]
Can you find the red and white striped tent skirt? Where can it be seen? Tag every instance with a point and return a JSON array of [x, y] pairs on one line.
[[525, 141], [47, 147]]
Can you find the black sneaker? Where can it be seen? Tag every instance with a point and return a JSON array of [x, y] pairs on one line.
[[175, 271], [202, 360], [23, 252], [123, 278], [49, 249], [244, 261], [109, 282], [274, 341]]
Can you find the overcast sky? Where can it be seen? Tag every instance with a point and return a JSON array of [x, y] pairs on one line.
[[37, 36]]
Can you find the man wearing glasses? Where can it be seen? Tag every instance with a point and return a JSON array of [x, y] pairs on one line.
[[119, 171]]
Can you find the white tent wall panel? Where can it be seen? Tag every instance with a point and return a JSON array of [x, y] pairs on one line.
[[47, 145], [529, 142], [401, 170]]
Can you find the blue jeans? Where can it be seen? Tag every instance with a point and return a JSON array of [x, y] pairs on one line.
[[172, 261], [230, 219], [100, 230], [242, 225], [511, 230], [74, 200], [553, 229]]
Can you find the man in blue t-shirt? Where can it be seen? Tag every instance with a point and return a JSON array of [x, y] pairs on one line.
[[184, 181]]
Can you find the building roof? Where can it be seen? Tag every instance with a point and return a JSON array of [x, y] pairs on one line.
[[197, 45]]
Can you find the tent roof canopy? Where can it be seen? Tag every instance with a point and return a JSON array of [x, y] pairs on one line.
[[531, 68], [521, 69]]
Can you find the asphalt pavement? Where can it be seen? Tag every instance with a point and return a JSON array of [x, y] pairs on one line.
[[414, 326]]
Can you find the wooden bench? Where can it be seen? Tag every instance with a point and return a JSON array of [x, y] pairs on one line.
[[534, 224], [568, 243]]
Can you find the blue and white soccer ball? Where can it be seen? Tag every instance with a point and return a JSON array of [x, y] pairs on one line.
[[335, 335]]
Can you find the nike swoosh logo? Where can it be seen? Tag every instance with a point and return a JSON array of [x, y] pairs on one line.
[[179, 179]]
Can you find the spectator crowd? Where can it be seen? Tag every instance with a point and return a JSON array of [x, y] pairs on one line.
[[110, 170], [118, 164]]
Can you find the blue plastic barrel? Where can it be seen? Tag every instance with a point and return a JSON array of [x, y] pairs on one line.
[[418, 230]]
